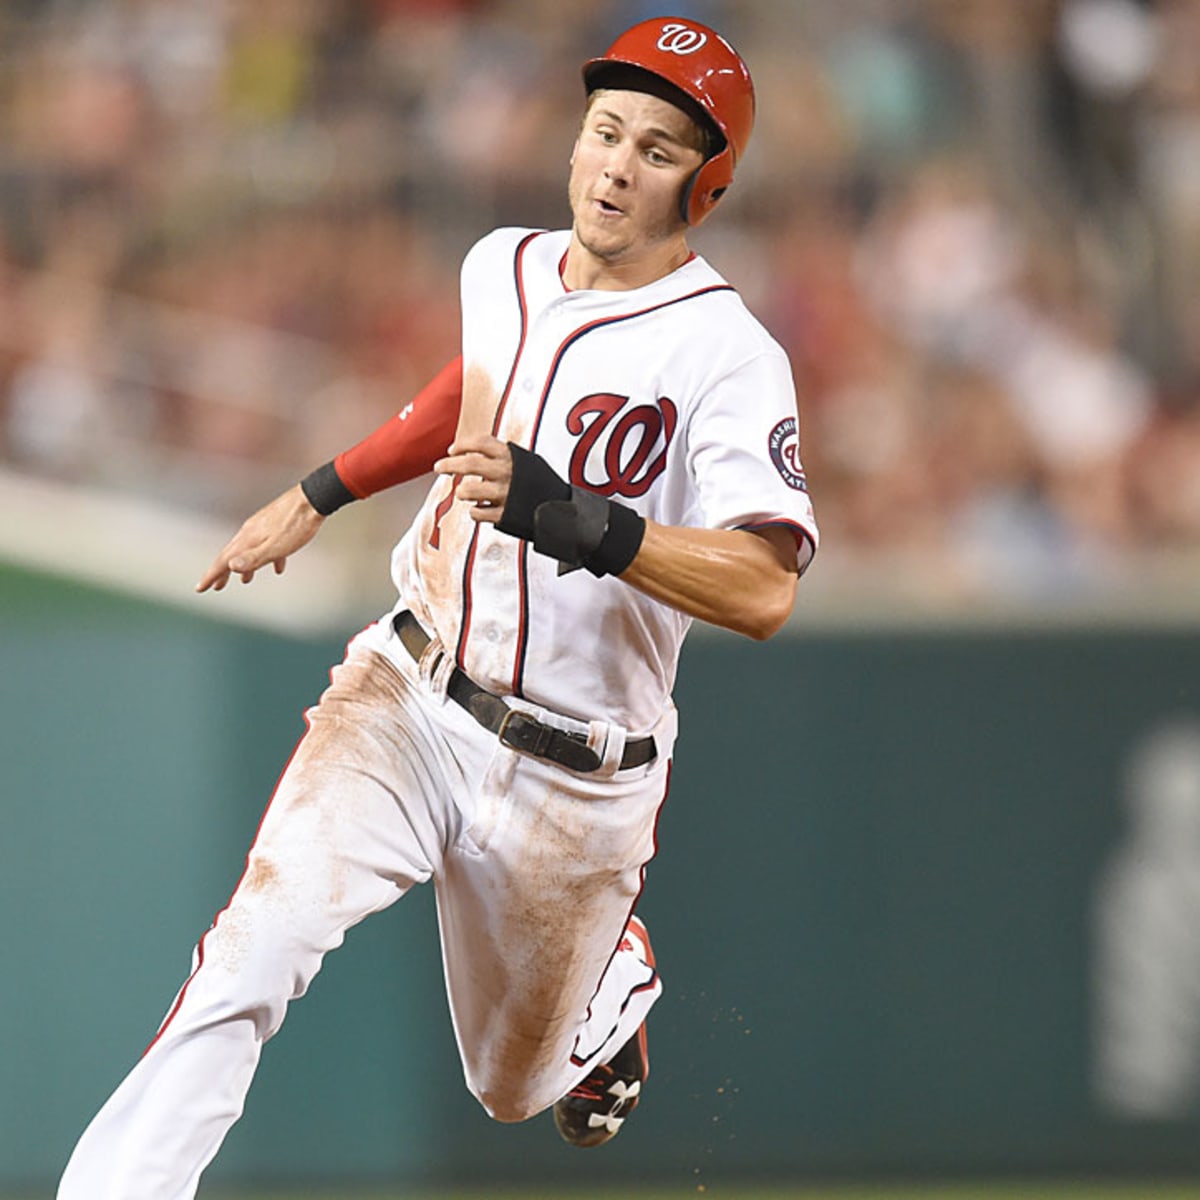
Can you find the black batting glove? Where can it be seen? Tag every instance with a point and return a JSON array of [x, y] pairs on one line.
[[534, 482], [576, 527]]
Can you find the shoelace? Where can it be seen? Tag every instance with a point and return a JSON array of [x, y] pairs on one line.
[[594, 1087]]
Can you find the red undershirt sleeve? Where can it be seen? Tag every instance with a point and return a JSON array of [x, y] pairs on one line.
[[408, 444]]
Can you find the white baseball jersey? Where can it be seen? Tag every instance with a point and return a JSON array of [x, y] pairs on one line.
[[670, 398]]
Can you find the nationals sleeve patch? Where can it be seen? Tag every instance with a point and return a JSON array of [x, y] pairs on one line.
[[784, 446]]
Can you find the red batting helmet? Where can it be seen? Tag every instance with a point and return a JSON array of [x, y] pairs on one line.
[[698, 62]]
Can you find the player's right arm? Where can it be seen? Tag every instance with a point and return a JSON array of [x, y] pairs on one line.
[[740, 579], [403, 448]]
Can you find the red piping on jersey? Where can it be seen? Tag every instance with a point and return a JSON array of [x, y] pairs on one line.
[[562, 267], [571, 338], [522, 624], [564, 346], [576, 1058], [464, 632], [795, 528]]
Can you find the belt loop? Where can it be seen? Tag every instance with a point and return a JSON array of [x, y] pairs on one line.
[[439, 676], [434, 667], [609, 742]]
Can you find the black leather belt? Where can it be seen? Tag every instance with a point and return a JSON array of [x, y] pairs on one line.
[[518, 730]]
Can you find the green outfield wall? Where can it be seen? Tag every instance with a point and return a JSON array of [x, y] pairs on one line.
[[923, 904]]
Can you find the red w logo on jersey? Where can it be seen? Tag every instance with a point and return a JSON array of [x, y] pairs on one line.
[[613, 456]]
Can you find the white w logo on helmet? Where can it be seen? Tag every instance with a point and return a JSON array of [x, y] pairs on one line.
[[681, 39]]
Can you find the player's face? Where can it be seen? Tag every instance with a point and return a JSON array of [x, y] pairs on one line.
[[634, 154]]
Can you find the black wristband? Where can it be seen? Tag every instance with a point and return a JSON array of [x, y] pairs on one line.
[[620, 543], [588, 531], [577, 527], [534, 482], [325, 491]]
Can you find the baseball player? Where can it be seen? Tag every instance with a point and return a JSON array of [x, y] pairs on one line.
[[622, 458]]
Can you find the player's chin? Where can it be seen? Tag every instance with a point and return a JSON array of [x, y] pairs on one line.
[[603, 242]]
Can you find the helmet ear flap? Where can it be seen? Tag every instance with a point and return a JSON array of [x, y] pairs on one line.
[[706, 187], [685, 198]]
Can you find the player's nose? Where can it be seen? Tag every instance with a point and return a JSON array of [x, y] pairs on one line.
[[618, 167]]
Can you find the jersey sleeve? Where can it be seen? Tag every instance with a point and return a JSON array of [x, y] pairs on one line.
[[408, 444], [744, 452]]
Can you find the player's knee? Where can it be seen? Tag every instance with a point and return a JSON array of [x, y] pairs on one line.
[[519, 1074], [508, 1108], [513, 1096]]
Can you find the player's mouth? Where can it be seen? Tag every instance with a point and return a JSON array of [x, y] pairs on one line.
[[607, 207]]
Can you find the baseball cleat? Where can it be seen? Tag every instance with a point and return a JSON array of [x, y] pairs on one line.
[[593, 1111]]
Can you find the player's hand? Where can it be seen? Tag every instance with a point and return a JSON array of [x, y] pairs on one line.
[[485, 467], [281, 528]]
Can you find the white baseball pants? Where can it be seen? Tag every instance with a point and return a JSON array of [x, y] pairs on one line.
[[536, 871]]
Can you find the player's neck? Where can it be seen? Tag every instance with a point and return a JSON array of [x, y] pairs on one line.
[[584, 270]]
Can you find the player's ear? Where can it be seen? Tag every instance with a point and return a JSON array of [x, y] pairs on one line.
[[574, 148]]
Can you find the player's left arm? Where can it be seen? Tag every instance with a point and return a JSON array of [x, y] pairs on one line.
[[740, 579]]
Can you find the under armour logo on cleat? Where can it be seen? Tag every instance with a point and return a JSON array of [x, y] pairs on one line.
[[611, 1124], [624, 1091]]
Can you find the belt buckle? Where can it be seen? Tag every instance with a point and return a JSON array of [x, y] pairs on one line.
[[520, 731]]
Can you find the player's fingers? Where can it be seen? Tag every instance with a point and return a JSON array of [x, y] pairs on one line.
[[475, 490], [243, 565], [489, 459], [465, 464], [486, 445], [216, 577], [269, 536], [213, 582]]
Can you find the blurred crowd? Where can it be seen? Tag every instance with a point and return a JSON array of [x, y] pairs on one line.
[[230, 233]]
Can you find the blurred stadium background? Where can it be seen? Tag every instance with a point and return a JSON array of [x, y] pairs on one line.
[[934, 914]]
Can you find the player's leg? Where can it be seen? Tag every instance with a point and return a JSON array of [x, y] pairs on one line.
[[335, 844], [534, 902], [596, 1107]]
